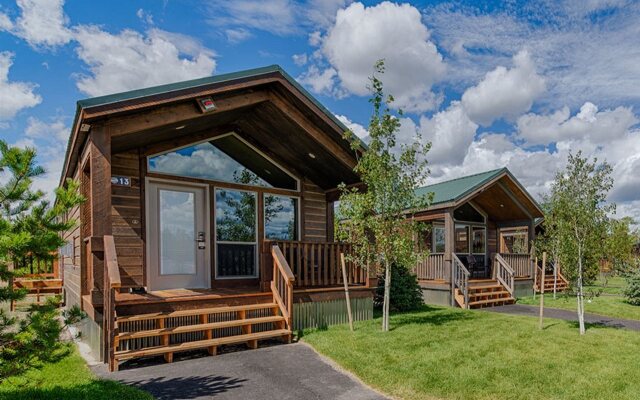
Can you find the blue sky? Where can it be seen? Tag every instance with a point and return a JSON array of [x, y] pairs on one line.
[[491, 84]]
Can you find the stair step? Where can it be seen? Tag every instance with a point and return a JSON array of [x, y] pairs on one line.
[[492, 301], [197, 311], [482, 294], [200, 344], [198, 327], [484, 287]]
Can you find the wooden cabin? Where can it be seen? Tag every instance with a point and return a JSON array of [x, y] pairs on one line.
[[209, 216], [482, 228]]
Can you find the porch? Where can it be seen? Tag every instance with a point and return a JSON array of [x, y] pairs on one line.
[[306, 288]]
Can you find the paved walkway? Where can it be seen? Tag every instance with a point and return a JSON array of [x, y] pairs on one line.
[[292, 371], [567, 315]]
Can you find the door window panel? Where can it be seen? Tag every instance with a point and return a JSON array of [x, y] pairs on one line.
[[462, 238], [479, 240], [177, 232]]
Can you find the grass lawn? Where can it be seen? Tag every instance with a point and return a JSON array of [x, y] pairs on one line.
[[610, 302], [458, 354], [68, 378]]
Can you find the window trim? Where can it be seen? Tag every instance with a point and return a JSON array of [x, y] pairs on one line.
[[213, 138]]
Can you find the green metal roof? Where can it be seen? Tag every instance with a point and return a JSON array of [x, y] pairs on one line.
[[455, 189]]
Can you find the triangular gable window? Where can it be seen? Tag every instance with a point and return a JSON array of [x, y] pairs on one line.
[[228, 159]]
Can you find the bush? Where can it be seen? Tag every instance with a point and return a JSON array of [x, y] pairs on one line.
[[632, 291], [406, 294]]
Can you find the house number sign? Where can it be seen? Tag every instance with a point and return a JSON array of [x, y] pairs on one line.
[[121, 180]]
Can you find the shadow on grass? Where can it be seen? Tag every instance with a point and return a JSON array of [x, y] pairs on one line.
[[94, 390], [427, 315], [190, 387], [590, 325]]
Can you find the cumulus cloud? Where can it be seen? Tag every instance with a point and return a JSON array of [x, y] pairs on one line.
[[504, 92], [237, 35], [131, 60], [41, 23], [14, 96], [362, 35], [451, 132], [597, 126], [357, 129]]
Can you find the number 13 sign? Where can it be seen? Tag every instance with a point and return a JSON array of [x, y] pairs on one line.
[[120, 181]]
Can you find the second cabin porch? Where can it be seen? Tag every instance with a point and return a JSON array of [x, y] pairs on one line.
[[481, 231]]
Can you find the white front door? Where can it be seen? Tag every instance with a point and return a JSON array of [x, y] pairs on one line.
[[177, 236]]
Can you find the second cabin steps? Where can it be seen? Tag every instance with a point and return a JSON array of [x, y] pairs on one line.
[[485, 293]]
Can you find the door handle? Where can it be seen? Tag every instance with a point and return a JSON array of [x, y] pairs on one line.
[[201, 240]]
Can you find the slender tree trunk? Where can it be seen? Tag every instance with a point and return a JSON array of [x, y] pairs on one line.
[[580, 292], [555, 277], [387, 295]]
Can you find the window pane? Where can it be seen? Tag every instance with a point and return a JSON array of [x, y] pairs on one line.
[[438, 239], [226, 159], [478, 240], [516, 242], [462, 239], [280, 217], [177, 231], [235, 216], [236, 259], [466, 212]]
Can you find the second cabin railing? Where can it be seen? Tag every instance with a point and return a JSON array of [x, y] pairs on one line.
[[432, 267], [112, 284], [460, 278], [282, 285], [520, 263], [504, 274], [316, 264]]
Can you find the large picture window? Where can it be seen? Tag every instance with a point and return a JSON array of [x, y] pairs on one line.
[[514, 241], [236, 236], [280, 217], [227, 159]]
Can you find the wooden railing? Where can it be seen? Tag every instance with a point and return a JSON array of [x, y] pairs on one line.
[[537, 282], [432, 267], [504, 274], [282, 285], [316, 264], [520, 263], [460, 276], [112, 284]]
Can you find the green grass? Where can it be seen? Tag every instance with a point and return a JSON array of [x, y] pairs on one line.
[[609, 302], [69, 378], [458, 354]]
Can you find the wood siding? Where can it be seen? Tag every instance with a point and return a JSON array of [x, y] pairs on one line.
[[314, 213], [127, 219], [492, 238], [71, 265]]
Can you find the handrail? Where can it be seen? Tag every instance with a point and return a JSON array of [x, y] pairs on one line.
[[460, 278], [112, 283], [432, 267], [282, 285], [505, 274], [111, 260]]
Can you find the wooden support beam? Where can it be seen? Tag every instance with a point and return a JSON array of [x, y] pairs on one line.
[[208, 334], [175, 114], [449, 231]]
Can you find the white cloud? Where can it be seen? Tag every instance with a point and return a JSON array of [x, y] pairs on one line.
[[14, 96], [362, 35], [300, 59], [280, 17], [130, 60], [588, 123], [357, 129], [41, 23], [451, 132], [237, 35], [584, 50], [320, 81], [504, 92]]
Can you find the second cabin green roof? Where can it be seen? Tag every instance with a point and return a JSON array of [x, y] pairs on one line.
[[455, 189]]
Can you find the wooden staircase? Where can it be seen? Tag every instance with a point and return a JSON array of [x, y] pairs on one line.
[[246, 319], [166, 333], [561, 285], [484, 293]]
